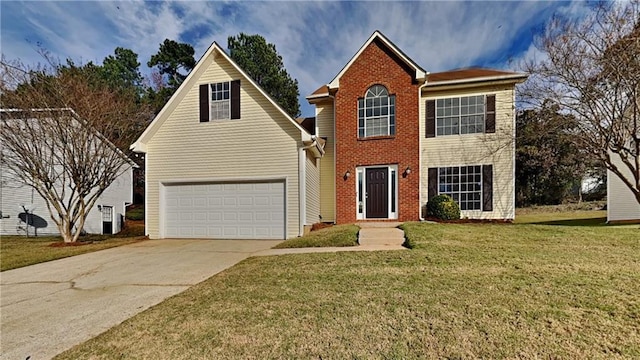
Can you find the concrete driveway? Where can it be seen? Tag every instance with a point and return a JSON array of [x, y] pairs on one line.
[[48, 308]]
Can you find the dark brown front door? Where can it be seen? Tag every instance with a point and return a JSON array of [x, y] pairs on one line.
[[377, 193]]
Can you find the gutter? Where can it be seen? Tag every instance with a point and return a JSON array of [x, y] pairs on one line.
[[477, 79]]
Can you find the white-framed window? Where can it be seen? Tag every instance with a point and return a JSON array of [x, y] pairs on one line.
[[463, 184], [376, 113], [361, 191], [460, 115], [220, 101]]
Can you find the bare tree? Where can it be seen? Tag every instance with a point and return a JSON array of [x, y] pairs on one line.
[[63, 135], [591, 70]]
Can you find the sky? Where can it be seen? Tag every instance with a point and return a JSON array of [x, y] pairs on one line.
[[315, 38]]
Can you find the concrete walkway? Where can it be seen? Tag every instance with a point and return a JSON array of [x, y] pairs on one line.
[[47, 308], [373, 236], [380, 234]]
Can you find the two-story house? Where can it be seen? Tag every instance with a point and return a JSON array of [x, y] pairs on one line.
[[398, 135], [224, 160]]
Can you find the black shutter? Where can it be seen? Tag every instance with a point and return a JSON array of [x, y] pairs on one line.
[[430, 129], [432, 185], [204, 103], [235, 99], [487, 187], [490, 114]]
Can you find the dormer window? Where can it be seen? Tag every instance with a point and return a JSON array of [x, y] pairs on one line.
[[377, 113]]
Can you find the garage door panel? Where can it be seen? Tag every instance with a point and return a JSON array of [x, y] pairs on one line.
[[225, 210]]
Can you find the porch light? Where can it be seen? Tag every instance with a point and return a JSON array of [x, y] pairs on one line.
[[347, 174], [407, 171]]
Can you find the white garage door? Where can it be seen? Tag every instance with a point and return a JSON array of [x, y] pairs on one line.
[[225, 210]]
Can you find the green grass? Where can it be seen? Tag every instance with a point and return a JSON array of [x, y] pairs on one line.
[[135, 213], [340, 235], [569, 218], [494, 291], [19, 251]]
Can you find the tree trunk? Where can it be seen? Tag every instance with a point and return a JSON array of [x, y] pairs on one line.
[[66, 232]]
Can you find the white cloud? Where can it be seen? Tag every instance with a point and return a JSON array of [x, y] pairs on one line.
[[315, 39]]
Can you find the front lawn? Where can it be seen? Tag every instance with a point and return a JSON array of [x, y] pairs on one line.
[[572, 218], [19, 251], [340, 235], [464, 291]]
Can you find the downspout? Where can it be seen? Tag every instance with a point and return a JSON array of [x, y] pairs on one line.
[[302, 184], [146, 196], [422, 138]]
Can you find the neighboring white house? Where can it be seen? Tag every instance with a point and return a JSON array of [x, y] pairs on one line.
[[22, 209], [225, 161], [622, 206]]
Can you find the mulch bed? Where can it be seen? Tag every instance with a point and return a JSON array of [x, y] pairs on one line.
[[64, 244], [318, 226]]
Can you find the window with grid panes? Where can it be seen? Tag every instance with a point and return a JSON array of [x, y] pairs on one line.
[[460, 115], [376, 113], [220, 103], [463, 184]]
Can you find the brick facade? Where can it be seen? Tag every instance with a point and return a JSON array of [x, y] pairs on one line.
[[377, 65]]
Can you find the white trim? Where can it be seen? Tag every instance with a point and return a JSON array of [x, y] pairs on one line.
[[140, 144], [146, 195], [302, 189], [102, 208], [419, 72], [513, 158], [390, 169], [388, 116], [515, 76], [221, 179], [335, 179], [210, 100], [318, 96], [421, 137]]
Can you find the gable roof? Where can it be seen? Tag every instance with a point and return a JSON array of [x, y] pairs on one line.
[[214, 49], [377, 35], [322, 91], [471, 75], [19, 114]]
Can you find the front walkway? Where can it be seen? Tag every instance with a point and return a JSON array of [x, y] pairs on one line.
[[373, 236]]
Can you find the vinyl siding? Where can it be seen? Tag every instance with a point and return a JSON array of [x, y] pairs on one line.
[[312, 174], [13, 195], [262, 144], [621, 203], [497, 149], [325, 123]]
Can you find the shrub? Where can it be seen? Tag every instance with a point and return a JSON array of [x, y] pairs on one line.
[[443, 207]]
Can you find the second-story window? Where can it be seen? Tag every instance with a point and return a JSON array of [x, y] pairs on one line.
[[220, 104], [377, 113], [460, 115]]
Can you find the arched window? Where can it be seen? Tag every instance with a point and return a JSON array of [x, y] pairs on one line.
[[376, 113]]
